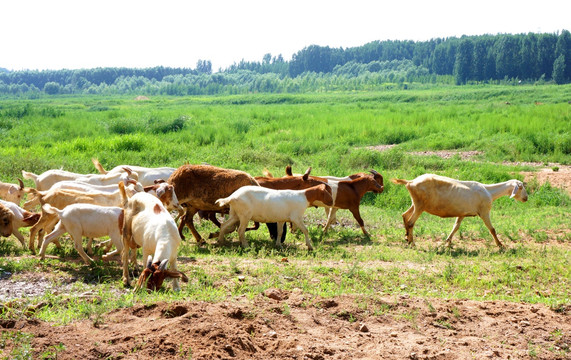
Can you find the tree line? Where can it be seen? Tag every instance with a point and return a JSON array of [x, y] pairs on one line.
[[378, 64]]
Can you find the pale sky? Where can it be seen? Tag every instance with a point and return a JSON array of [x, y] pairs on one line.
[[75, 34]]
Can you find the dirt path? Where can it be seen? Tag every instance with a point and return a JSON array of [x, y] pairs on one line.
[[292, 325]]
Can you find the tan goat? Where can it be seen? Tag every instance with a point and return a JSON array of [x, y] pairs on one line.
[[446, 197]]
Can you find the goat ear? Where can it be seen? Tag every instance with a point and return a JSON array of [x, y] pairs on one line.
[[150, 262], [514, 192], [306, 175], [177, 275], [163, 265], [127, 170]]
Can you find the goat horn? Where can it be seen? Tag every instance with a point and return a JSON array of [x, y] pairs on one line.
[[163, 265], [150, 262], [21, 184]]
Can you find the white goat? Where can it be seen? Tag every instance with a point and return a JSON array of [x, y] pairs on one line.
[[86, 220], [16, 218], [12, 192], [45, 180], [90, 188], [270, 206], [147, 176], [62, 198], [149, 225], [83, 187], [445, 197]]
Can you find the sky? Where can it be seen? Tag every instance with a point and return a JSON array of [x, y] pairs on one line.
[[76, 34]]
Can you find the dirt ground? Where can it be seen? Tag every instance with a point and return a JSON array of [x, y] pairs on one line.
[[291, 325], [560, 178]]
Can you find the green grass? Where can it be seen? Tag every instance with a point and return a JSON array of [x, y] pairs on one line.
[[330, 133]]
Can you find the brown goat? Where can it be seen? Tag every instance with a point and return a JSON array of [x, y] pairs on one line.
[[197, 187], [350, 193]]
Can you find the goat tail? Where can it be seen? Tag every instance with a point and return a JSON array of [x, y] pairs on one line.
[[29, 175], [51, 210], [124, 198], [400, 181], [267, 173], [98, 166], [224, 201]]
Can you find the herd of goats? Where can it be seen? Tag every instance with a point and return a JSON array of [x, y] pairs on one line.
[[132, 205]]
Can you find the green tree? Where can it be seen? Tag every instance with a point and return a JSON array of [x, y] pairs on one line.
[[204, 66], [52, 88], [559, 70], [464, 61], [507, 61], [546, 54], [563, 47], [528, 57]]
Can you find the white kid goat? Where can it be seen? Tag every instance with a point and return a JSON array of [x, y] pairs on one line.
[[446, 197], [271, 206], [86, 220]]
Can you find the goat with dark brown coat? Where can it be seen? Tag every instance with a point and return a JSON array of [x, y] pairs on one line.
[[197, 187]]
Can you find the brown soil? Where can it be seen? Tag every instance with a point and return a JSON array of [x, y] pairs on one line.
[[292, 325], [560, 178]]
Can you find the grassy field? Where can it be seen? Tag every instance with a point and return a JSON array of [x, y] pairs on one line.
[[510, 128]]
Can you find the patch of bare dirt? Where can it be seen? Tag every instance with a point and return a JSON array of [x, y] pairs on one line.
[[447, 154], [560, 178], [294, 325], [381, 147], [141, 98]]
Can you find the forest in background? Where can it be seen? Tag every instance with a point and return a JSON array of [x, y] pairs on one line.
[[502, 58]]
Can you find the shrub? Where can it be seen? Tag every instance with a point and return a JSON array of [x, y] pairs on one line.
[[129, 143]]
